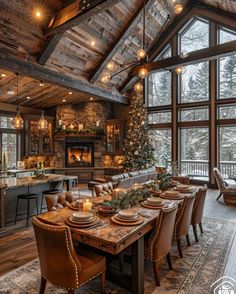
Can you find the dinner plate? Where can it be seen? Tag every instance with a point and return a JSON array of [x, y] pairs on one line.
[[155, 201], [125, 219], [146, 205], [81, 225], [82, 215], [83, 221], [139, 221], [127, 214]]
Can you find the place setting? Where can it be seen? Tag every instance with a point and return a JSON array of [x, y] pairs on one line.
[[127, 217], [82, 219], [154, 203], [184, 189], [172, 195]]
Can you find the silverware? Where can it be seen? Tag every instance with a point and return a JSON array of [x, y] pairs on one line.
[[100, 224]]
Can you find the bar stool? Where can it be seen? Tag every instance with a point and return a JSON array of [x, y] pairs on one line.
[[26, 196]]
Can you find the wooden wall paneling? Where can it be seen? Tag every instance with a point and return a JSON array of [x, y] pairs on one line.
[[67, 18], [135, 19]]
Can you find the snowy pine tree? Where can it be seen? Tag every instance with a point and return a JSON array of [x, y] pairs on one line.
[[138, 151]]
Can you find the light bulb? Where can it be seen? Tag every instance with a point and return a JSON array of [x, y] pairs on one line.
[[179, 70], [106, 78], [42, 123], [110, 66], [18, 122], [178, 8], [141, 54], [138, 87], [143, 72]]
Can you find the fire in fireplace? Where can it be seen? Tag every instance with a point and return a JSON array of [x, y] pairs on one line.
[[79, 154]]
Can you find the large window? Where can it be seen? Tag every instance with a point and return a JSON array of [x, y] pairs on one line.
[[159, 88], [9, 142], [194, 83], [194, 151], [195, 36], [161, 140], [227, 147]]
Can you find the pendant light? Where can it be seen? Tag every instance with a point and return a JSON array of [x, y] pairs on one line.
[[42, 123], [17, 122]]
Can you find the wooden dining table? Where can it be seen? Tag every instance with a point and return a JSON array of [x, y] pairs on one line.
[[114, 238]]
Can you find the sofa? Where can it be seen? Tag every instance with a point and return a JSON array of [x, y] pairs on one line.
[[125, 180]]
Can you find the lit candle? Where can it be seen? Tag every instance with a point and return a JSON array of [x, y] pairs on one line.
[[87, 206], [98, 123], [81, 126]]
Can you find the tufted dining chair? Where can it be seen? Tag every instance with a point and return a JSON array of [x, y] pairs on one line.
[[58, 201], [197, 213], [158, 245], [227, 191], [59, 263], [183, 221]]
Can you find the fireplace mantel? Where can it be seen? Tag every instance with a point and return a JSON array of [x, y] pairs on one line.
[[87, 137]]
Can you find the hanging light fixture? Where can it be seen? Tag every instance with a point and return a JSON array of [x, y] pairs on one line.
[[178, 8], [17, 122], [138, 87], [142, 57], [42, 123]]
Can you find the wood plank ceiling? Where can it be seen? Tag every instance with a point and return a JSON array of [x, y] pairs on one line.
[[75, 55]]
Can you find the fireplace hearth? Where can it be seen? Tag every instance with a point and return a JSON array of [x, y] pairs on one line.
[[79, 154]]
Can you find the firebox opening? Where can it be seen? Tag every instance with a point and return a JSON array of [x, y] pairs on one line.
[[80, 154]]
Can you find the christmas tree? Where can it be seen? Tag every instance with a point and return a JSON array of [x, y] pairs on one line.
[[138, 151]]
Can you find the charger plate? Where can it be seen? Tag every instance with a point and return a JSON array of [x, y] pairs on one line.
[[144, 204], [172, 197], [133, 223], [77, 225]]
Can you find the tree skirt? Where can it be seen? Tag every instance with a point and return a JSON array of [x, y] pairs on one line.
[[203, 263]]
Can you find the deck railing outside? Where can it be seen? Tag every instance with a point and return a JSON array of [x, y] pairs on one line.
[[200, 168]]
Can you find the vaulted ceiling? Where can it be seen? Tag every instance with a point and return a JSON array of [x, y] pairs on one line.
[[111, 30]]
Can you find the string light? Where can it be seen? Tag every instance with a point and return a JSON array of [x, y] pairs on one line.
[[106, 77], [141, 54], [110, 66]]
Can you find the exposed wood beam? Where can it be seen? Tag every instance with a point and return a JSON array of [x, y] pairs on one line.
[[205, 54], [23, 109], [38, 72], [120, 40], [73, 15], [67, 18]]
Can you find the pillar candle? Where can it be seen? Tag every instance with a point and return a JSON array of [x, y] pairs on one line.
[[87, 206], [81, 126]]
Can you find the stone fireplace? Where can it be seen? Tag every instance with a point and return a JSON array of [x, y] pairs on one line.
[[79, 154]]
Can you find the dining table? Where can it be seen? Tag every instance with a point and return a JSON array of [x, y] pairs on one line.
[[114, 238]]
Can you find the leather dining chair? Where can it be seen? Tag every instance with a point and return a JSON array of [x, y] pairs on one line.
[[197, 213], [158, 245], [60, 200], [59, 263], [183, 221]]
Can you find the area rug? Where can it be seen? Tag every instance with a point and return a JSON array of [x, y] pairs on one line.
[[202, 265]]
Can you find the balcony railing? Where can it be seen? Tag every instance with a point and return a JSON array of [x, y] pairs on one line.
[[195, 168], [200, 168]]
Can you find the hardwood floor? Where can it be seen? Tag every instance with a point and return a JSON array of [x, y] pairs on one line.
[[17, 244]]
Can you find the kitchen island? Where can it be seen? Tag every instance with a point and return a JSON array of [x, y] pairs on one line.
[[11, 187]]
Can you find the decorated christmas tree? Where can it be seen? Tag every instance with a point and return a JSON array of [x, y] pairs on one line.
[[138, 151]]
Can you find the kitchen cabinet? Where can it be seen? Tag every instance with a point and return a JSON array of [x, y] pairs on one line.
[[114, 136], [38, 142]]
